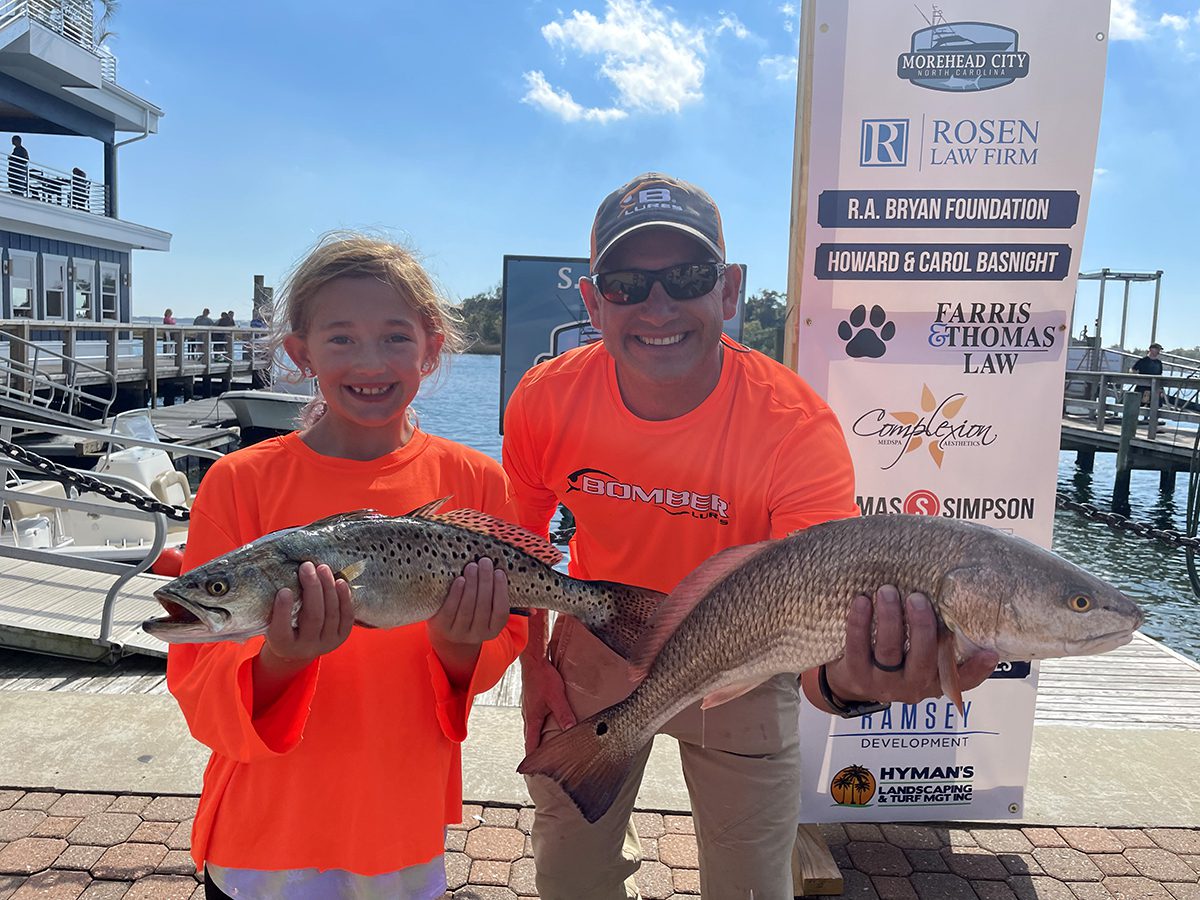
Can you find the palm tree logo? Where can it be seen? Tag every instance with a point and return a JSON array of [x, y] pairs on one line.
[[852, 786]]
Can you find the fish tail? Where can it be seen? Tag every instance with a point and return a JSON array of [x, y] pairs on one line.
[[590, 762], [623, 627]]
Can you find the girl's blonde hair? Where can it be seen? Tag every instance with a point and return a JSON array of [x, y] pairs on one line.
[[353, 255]]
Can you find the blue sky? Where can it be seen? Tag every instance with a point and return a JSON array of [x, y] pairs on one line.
[[474, 129]]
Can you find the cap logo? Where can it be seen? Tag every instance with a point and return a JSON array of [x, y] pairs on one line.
[[648, 198]]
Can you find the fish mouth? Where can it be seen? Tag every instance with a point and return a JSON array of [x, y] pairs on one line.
[[187, 621], [1101, 644]]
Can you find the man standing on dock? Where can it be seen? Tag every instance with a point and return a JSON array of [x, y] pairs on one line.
[[1149, 364], [18, 168], [670, 442], [203, 319]]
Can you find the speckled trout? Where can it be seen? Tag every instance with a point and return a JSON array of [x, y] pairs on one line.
[[399, 569], [775, 607]]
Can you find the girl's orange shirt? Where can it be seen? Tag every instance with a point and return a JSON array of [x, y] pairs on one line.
[[357, 766]]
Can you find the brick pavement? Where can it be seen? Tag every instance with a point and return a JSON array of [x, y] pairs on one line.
[[76, 846]]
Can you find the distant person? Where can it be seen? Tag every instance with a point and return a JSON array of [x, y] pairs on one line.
[[226, 319], [336, 762], [1149, 364], [1084, 336], [168, 316], [257, 321], [203, 319], [18, 168], [80, 188]]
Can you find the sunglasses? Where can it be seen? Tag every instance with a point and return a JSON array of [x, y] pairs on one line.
[[686, 281]]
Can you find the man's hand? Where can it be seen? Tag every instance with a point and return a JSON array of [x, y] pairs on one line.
[[543, 694], [885, 671]]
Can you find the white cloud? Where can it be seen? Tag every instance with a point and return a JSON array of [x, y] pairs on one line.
[[1098, 173], [560, 103], [655, 62], [781, 68], [1126, 22], [790, 16], [1176, 23], [730, 22]]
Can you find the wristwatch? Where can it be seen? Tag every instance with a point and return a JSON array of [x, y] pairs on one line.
[[847, 709]]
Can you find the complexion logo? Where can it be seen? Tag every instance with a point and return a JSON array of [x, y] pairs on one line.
[[990, 337], [962, 56], [853, 786], [938, 426], [673, 501]]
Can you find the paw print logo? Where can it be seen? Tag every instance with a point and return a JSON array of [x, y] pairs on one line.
[[863, 341]]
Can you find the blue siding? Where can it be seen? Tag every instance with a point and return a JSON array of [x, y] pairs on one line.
[[30, 244]]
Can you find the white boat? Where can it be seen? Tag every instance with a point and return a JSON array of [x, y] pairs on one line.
[[46, 515], [269, 410]]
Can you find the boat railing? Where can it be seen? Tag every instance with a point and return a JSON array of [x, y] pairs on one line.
[[40, 376], [123, 572]]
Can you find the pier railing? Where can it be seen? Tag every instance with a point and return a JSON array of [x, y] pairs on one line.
[[1099, 396], [92, 357], [72, 190], [48, 379]]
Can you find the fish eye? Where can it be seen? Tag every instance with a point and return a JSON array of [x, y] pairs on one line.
[[1080, 603], [217, 587]]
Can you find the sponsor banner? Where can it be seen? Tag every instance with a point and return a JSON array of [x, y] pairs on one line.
[[948, 157], [543, 315]]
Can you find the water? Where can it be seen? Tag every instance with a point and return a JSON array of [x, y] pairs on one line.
[[463, 407]]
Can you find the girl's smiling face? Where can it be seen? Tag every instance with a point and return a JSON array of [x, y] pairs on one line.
[[368, 349]]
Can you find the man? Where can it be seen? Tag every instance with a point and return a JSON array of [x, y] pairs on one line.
[[1149, 364], [670, 442], [203, 319], [18, 167]]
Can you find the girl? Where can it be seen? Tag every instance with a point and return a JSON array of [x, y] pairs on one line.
[[335, 764]]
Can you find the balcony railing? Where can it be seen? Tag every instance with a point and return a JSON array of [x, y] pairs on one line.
[[28, 178], [72, 19]]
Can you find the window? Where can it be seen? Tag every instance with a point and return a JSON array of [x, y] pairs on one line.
[[110, 276], [85, 290], [54, 273], [22, 281]]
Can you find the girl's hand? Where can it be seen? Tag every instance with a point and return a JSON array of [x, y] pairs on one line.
[[476, 607], [323, 624], [475, 610], [324, 620]]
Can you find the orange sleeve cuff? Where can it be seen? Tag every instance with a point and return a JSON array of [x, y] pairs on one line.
[[495, 656], [281, 725]]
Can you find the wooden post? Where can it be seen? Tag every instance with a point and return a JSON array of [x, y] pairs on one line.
[[150, 361], [813, 868], [1166, 481], [1085, 460], [1129, 423], [18, 353], [1152, 419], [1101, 403]]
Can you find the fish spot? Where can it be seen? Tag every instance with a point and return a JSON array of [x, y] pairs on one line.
[[602, 728]]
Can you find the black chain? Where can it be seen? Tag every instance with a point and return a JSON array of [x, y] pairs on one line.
[[88, 483], [1122, 523]]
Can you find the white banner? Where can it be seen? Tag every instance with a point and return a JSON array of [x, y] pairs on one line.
[[948, 156]]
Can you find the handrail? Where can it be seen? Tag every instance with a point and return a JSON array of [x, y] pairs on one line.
[[110, 438], [38, 181], [70, 367], [123, 572]]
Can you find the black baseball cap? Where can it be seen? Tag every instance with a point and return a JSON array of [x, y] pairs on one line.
[[656, 199]]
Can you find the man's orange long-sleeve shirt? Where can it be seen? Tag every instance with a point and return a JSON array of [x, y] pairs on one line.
[[357, 766]]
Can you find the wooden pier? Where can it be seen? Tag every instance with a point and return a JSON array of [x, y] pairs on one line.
[[77, 371]]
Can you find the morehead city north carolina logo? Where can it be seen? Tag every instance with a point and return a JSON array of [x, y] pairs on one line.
[[962, 56]]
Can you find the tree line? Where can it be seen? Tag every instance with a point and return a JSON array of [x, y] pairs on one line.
[[762, 328]]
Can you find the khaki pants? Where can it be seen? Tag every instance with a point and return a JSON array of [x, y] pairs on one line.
[[741, 762]]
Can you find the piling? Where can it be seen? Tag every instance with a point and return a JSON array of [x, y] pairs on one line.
[[1129, 422]]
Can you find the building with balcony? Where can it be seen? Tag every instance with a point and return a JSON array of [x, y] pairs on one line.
[[65, 252]]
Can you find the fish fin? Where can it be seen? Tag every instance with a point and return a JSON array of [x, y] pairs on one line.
[[352, 571], [948, 667], [481, 523], [345, 516], [632, 611], [590, 767], [427, 510], [681, 601], [730, 692]]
